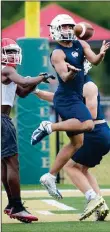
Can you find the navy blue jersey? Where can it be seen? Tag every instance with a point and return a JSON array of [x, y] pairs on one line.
[[74, 56], [100, 114], [68, 99]]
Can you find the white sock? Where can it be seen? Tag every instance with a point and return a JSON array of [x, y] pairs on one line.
[[54, 177], [49, 128], [90, 194]]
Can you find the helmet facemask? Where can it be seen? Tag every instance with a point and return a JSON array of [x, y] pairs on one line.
[[60, 34]]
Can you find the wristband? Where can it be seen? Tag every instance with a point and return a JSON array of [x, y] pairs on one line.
[[36, 90]]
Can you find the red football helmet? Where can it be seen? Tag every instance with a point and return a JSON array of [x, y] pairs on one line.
[[11, 52]]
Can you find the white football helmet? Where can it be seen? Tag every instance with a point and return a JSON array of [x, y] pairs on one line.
[[56, 30]]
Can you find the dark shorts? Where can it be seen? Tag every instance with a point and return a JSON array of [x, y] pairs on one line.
[[96, 145], [71, 107], [8, 137]]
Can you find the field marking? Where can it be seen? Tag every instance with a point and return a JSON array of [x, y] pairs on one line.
[[58, 205], [65, 193], [44, 212]]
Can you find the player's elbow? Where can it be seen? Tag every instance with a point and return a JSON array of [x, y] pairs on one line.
[[65, 79], [23, 94], [94, 62]]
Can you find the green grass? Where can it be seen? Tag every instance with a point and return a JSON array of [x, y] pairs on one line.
[[60, 186], [58, 227], [76, 202]]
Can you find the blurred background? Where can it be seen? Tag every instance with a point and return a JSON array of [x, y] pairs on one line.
[[13, 26]]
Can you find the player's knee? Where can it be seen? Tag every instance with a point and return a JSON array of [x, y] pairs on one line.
[[78, 145], [84, 170], [68, 165], [90, 125]]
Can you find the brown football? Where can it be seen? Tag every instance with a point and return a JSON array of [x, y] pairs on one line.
[[83, 30]]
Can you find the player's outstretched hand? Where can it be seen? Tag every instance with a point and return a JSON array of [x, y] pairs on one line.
[[104, 47], [72, 68], [47, 76]]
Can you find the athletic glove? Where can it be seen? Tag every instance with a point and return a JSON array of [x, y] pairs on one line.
[[47, 76]]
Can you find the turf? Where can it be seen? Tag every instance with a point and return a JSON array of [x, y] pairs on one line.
[[58, 227], [76, 202]]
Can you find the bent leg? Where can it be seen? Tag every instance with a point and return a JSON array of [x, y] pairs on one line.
[[73, 125], [66, 153]]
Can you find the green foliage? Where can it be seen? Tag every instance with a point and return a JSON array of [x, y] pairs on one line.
[[98, 12], [11, 12]]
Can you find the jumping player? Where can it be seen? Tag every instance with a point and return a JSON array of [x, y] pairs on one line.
[[96, 145], [68, 97], [12, 84]]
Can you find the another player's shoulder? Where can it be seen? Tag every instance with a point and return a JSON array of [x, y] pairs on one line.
[[57, 55], [90, 89]]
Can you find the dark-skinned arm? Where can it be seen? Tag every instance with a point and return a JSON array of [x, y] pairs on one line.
[[12, 75], [23, 92]]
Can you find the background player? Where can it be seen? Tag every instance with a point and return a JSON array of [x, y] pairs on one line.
[[12, 84], [96, 144]]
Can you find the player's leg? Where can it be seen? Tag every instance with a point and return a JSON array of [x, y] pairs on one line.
[[72, 124], [76, 119], [91, 179], [67, 152], [78, 178], [102, 212], [48, 179], [6, 186], [79, 111], [13, 179], [81, 182], [9, 149], [18, 211]]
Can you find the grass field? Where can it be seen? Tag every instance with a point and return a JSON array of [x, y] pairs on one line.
[[55, 216], [58, 227]]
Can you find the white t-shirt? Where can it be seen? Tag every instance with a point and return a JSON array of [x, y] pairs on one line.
[[8, 92]]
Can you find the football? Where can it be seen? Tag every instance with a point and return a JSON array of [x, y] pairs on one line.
[[83, 31]]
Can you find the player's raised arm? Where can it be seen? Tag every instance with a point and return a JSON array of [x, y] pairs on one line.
[[58, 61], [44, 95], [91, 56], [90, 93], [12, 75]]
